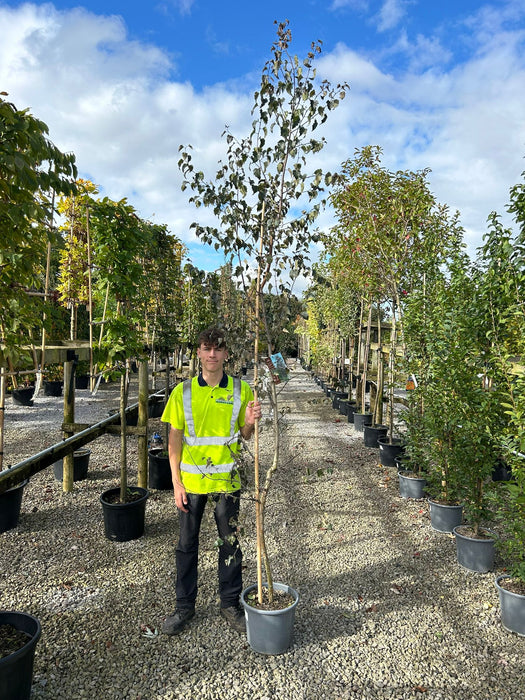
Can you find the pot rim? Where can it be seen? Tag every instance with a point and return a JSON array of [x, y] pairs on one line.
[[505, 590], [432, 501], [32, 640], [491, 538], [276, 584], [407, 474], [144, 495], [20, 485]]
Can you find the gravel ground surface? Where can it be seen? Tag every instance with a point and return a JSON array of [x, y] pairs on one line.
[[385, 610]]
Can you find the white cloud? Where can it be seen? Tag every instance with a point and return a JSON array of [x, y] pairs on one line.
[[352, 4], [390, 14], [465, 123], [115, 104]]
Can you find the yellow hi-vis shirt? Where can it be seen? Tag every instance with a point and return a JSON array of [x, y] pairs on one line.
[[209, 437]]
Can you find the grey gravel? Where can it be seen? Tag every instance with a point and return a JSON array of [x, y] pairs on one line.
[[385, 610]]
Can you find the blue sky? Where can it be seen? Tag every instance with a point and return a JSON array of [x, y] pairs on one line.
[[438, 85]]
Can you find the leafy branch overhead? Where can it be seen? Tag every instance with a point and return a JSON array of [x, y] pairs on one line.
[[269, 165]]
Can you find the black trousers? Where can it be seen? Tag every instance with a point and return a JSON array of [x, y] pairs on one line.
[[230, 556]]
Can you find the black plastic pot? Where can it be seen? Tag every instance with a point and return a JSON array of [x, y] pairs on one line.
[[444, 517], [512, 607], [10, 504], [159, 472], [336, 396], [80, 465], [124, 521], [81, 381], [156, 407], [411, 486], [362, 419], [350, 410], [501, 472], [372, 433], [23, 396], [53, 388], [388, 451], [473, 553], [16, 670]]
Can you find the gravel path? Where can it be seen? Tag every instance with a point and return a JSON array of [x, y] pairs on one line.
[[385, 610]]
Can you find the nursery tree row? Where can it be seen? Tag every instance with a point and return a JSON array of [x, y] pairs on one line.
[[456, 332]]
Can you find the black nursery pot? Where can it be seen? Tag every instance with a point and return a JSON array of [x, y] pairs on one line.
[[80, 465], [81, 381], [372, 433], [362, 419], [23, 396], [389, 451], [10, 505], [336, 397], [159, 472], [124, 521], [350, 410], [16, 669], [53, 388]]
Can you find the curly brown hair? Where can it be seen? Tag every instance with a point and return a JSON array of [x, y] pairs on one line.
[[214, 337]]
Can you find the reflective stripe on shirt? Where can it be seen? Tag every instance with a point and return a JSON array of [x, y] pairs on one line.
[[192, 440]]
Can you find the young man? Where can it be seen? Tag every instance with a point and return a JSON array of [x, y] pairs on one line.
[[207, 415]]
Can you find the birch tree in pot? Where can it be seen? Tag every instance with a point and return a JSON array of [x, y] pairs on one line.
[[266, 204], [119, 240]]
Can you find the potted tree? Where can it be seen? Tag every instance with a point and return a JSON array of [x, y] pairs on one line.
[[505, 292], [163, 275], [31, 167], [254, 197], [119, 239]]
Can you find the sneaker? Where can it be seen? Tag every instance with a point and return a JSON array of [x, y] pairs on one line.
[[177, 622], [234, 616]]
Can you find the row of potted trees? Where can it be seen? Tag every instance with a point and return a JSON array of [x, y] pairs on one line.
[[463, 350]]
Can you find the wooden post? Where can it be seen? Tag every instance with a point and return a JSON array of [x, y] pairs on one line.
[[2, 414], [142, 422], [69, 417]]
